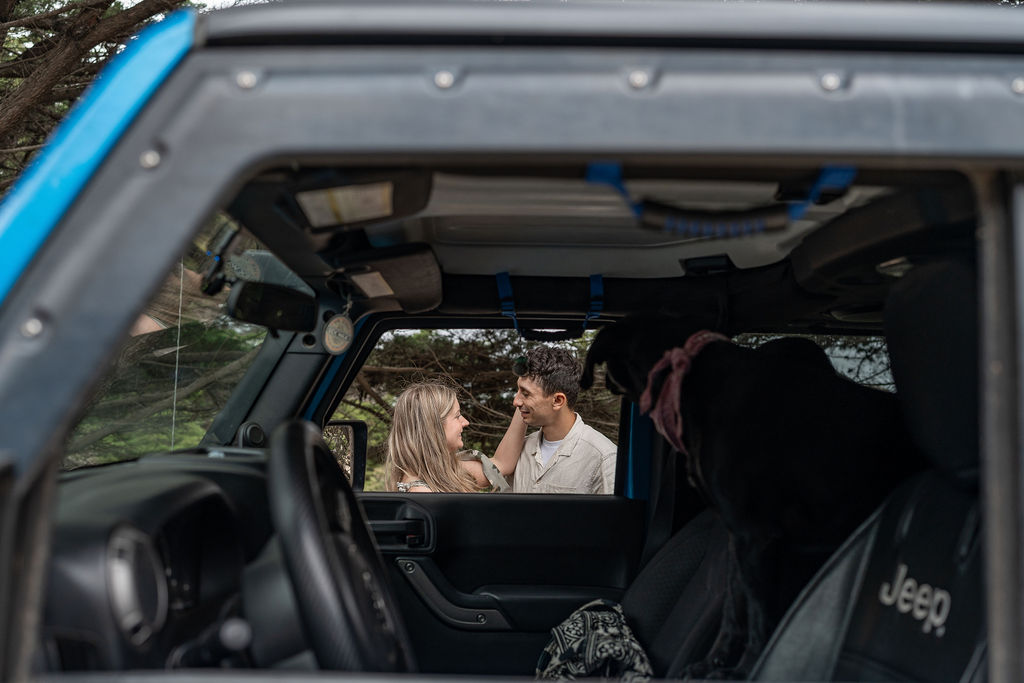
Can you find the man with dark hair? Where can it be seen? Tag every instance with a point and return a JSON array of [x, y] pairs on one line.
[[564, 455]]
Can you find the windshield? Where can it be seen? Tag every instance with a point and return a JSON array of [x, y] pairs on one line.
[[182, 359]]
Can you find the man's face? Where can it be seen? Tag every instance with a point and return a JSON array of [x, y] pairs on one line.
[[536, 407]]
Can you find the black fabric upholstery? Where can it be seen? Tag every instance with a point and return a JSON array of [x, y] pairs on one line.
[[920, 615], [674, 605], [807, 642], [931, 324], [903, 599]]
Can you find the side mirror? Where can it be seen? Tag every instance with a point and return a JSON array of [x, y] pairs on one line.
[[347, 440], [273, 306]]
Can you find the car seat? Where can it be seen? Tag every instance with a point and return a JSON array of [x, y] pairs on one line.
[[674, 605], [902, 599]]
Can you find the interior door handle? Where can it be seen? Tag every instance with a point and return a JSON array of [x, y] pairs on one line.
[[404, 533]]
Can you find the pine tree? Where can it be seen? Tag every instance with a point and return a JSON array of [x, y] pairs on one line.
[[52, 50]]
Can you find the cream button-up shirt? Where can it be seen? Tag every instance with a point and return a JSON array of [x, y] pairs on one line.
[[583, 463]]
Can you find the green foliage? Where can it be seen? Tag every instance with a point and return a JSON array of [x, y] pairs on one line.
[[162, 394], [52, 51], [175, 373]]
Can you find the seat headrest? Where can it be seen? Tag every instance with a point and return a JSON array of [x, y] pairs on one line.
[[931, 326]]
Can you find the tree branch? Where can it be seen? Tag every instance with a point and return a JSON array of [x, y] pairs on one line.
[[383, 417], [86, 32], [372, 393], [26, 148], [40, 20]]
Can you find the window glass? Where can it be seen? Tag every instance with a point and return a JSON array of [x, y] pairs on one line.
[[478, 364], [864, 359], [181, 361]]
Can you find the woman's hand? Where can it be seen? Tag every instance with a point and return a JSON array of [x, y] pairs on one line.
[[476, 470]]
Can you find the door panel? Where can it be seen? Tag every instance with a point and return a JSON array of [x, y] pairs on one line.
[[481, 579]]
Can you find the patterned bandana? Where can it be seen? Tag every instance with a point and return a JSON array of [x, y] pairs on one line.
[[666, 411]]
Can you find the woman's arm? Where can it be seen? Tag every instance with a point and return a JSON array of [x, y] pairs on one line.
[[476, 470], [505, 458]]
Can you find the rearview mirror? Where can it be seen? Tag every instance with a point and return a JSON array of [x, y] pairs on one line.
[[273, 306]]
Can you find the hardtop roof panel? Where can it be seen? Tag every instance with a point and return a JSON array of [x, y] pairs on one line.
[[896, 26]]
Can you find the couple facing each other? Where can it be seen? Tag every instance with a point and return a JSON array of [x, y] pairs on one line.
[[425, 448]]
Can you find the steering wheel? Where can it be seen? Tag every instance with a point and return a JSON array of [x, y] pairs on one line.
[[336, 572]]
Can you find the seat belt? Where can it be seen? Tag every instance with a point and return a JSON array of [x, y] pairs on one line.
[[505, 299], [661, 507]]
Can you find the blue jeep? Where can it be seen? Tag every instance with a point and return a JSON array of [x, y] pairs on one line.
[[255, 210]]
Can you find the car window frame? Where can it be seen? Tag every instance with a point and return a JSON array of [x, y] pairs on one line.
[[369, 331]]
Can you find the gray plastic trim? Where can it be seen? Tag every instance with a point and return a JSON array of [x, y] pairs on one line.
[[461, 617]]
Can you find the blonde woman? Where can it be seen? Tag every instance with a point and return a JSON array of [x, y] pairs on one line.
[[425, 448]]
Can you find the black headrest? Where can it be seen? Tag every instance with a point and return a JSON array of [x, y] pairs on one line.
[[931, 325]]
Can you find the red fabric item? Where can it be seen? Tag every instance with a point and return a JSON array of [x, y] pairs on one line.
[[667, 412]]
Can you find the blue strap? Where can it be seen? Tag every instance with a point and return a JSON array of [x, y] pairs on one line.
[[508, 304], [831, 178], [688, 227], [610, 173], [596, 299]]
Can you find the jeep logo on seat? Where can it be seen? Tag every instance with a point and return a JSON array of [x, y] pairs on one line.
[[926, 604]]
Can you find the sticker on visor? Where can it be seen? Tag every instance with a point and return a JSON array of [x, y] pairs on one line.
[[347, 204]]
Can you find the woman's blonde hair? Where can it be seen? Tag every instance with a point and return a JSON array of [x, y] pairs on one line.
[[416, 444]]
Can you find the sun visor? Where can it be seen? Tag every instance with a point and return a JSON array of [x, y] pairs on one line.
[[329, 201], [408, 274], [873, 245]]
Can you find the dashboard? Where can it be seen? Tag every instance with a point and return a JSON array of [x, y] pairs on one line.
[[149, 558]]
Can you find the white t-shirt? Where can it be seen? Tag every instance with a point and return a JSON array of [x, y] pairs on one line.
[[547, 449]]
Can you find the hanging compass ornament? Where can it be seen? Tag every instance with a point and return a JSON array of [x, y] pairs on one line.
[[338, 333]]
